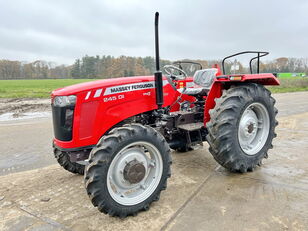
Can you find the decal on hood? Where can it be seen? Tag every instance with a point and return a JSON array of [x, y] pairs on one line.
[[131, 87]]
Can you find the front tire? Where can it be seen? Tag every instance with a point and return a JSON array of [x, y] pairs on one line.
[[127, 170], [242, 127], [64, 160]]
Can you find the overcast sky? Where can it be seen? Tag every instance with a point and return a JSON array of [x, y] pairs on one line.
[[62, 31]]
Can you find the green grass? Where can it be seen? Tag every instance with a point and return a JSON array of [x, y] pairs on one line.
[[38, 88], [290, 84], [42, 88]]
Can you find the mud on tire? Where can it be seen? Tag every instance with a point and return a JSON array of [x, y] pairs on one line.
[[223, 136], [64, 160], [109, 148]]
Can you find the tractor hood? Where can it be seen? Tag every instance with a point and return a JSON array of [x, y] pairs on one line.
[[102, 84]]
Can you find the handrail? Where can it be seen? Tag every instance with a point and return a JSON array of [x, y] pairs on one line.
[[260, 54]]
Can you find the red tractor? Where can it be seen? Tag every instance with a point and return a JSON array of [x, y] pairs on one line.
[[118, 132]]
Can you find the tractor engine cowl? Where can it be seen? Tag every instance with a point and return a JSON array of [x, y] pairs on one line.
[[63, 114]]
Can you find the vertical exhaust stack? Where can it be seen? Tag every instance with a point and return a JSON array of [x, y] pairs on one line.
[[158, 74]]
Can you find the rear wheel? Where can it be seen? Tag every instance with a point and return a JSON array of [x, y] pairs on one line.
[[128, 169], [242, 127]]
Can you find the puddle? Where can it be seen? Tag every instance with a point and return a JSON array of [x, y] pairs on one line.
[[23, 116]]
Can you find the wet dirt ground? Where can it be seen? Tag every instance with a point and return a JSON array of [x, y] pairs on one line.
[[200, 196], [18, 107]]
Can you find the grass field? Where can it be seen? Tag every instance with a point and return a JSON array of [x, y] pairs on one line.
[[42, 88], [291, 84], [38, 88]]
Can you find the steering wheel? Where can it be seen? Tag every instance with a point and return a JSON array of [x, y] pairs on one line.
[[169, 69]]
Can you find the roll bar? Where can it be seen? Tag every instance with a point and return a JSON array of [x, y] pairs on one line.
[[260, 54]]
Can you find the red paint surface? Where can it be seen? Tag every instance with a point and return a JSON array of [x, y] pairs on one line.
[[94, 116]]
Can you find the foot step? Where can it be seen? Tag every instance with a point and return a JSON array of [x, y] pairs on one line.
[[191, 126]]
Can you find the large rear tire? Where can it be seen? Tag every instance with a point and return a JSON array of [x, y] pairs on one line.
[[242, 127], [127, 170]]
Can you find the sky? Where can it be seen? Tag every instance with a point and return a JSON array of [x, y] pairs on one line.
[[64, 30]]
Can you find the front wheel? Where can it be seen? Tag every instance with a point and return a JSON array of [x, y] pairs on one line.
[[242, 127], [64, 160], [128, 169]]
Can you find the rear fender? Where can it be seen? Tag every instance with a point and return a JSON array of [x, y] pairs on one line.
[[215, 92], [264, 79], [227, 80]]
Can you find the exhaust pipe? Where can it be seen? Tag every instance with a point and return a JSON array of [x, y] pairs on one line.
[[158, 74]]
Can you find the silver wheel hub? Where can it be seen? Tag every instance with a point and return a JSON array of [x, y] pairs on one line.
[[134, 173], [253, 128]]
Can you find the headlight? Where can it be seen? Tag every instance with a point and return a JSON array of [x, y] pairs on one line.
[[64, 101]]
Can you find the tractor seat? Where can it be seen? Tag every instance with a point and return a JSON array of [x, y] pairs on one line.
[[203, 80], [193, 91]]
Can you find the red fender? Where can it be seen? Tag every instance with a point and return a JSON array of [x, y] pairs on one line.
[[217, 87]]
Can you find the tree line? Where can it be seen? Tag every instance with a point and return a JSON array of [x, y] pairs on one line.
[[102, 67], [34, 70]]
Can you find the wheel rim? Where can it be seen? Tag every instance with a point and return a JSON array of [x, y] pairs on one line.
[[253, 128], [134, 173]]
